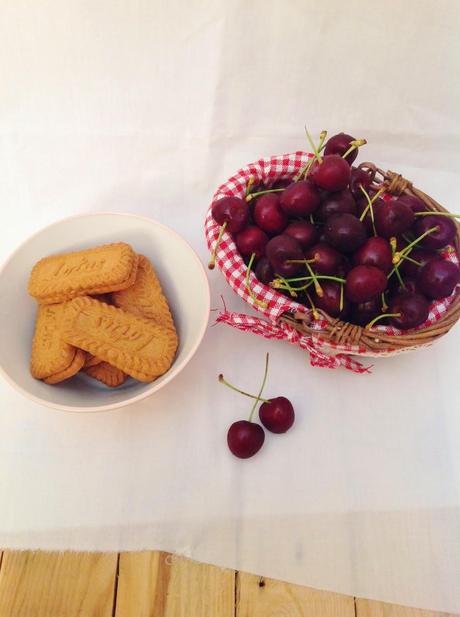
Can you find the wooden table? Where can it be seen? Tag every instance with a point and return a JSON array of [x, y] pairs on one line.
[[154, 584]]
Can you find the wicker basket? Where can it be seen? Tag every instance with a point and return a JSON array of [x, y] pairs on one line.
[[330, 335]]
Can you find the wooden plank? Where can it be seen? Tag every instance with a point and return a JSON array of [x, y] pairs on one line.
[[259, 597], [143, 581], [36, 584], [370, 608], [158, 585]]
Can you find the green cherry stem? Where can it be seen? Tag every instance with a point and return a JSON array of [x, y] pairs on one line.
[[318, 288], [261, 389], [252, 196], [384, 302], [413, 261], [369, 207], [281, 283], [433, 212], [341, 298], [406, 250], [229, 385], [212, 261], [249, 185], [379, 317], [313, 147], [356, 143], [321, 277], [248, 284], [316, 315]]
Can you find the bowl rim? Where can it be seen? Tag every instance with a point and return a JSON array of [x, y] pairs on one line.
[[149, 389]]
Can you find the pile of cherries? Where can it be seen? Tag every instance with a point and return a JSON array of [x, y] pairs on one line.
[[329, 240]]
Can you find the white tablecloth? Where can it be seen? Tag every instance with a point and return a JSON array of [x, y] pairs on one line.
[[146, 107]]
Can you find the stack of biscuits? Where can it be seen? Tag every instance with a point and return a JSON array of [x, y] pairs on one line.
[[101, 311]]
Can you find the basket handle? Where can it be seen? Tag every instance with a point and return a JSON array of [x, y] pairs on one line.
[[282, 331]]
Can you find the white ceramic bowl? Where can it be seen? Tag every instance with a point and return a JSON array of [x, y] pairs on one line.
[[182, 276]]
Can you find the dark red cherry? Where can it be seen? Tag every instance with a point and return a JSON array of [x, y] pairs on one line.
[[304, 232], [345, 232], [408, 268], [376, 252], [438, 279], [233, 211], [364, 283], [280, 250], [332, 174], [360, 177], [263, 271], [339, 144], [396, 289], [414, 203], [326, 259], [268, 214], [336, 203], [277, 415], [413, 309], [393, 218], [251, 240], [281, 183], [439, 238], [300, 199], [245, 438], [364, 312], [329, 302]]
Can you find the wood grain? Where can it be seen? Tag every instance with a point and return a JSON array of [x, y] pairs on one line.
[[57, 584], [259, 597], [153, 584], [370, 608]]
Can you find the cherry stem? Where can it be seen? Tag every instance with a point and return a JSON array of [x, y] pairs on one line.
[[212, 261], [398, 255], [341, 298], [229, 385], [434, 213], [277, 284], [249, 185], [291, 288], [384, 303], [369, 207], [248, 284], [379, 317], [354, 145], [321, 277], [400, 279], [261, 389], [300, 261], [414, 261], [315, 313], [254, 195], [314, 148]]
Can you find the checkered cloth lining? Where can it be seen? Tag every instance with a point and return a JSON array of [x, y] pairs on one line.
[[231, 264]]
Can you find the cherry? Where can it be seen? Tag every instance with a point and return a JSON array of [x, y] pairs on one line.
[[337, 203], [422, 256], [345, 232], [280, 250], [413, 310], [326, 259], [439, 238], [340, 144], [264, 271], [233, 211], [281, 183], [361, 177], [331, 173], [251, 240], [438, 278], [277, 414], [268, 214], [300, 199], [393, 218], [332, 301], [410, 286], [364, 283], [376, 252], [304, 232], [363, 312], [244, 438], [414, 203]]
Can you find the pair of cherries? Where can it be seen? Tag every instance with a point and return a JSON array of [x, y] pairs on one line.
[[244, 437]]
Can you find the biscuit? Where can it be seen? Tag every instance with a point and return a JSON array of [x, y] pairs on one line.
[[145, 298], [137, 346], [60, 278], [50, 354], [106, 373], [77, 364], [92, 360]]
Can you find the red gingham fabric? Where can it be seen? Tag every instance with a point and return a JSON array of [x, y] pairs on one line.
[[230, 262]]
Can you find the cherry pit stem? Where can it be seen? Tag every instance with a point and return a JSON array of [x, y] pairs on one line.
[[229, 385], [448, 214], [254, 195], [379, 317], [356, 143], [261, 388]]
